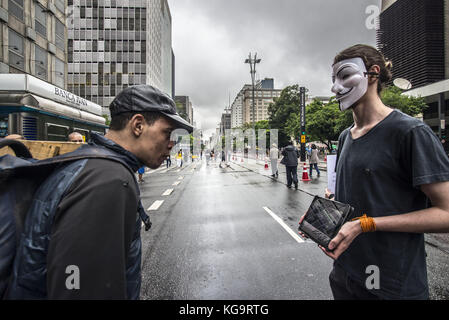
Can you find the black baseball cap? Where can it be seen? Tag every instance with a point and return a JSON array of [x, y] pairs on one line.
[[144, 98]]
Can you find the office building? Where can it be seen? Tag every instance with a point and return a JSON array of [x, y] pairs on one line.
[[225, 123], [414, 34], [411, 34], [242, 107], [184, 108], [237, 108], [115, 44], [264, 94], [33, 39]]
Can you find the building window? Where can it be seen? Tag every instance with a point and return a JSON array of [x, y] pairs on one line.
[[15, 7], [82, 12], [59, 73], [15, 48], [40, 62], [40, 20], [59, 31]]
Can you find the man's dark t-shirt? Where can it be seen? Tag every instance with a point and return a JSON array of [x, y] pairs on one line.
[[379, 174]]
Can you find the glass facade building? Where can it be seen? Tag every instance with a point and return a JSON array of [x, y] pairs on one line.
[[115, 44]]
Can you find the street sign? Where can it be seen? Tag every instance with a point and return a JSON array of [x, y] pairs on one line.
[[303, 139]]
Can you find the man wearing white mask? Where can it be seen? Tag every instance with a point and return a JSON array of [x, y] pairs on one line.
[[393, 170]]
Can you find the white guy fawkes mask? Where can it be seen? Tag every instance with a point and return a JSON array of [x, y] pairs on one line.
[[350, 81]]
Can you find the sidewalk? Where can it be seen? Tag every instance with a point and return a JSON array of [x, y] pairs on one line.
[[315, 186]]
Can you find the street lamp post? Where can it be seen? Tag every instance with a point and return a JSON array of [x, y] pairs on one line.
[[252, 65]]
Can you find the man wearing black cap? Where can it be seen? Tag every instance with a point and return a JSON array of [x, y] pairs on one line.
[[93, 248]]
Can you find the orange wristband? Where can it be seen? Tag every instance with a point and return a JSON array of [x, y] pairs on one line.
[[367, 223]]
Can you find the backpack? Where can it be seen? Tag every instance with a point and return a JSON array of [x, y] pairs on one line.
[[20, 177]]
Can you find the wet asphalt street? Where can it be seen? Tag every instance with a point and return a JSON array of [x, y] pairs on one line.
[[231, 233]]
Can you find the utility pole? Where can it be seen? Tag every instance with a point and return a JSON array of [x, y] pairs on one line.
[[252, 65]]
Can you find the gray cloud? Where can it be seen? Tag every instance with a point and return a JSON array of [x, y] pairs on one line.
[[296, 40]]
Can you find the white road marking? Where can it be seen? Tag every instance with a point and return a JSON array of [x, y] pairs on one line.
[[282, 223], [176, 183], [167, 192], [178, 170], [180, 178], [155, 206]]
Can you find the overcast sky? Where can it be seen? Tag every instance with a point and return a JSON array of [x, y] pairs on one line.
[[296, 40]]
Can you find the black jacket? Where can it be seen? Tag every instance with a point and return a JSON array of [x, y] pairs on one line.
[[291, 155], [85, 215]]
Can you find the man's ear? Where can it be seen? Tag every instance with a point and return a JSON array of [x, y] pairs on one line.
[[373, 73], [136, 124]]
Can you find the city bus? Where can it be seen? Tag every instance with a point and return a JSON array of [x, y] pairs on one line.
[[38, 110]]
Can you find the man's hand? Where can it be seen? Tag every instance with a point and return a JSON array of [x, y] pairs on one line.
[[348, 232], [327, 193]]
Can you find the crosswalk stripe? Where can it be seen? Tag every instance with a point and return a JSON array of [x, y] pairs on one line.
[[167, 192], [176, 183]]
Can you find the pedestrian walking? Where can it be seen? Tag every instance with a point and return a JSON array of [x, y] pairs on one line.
[[393, 170], [83, 225], [168, 161], [290, 160], [223, 158], [274, 156], [207, 153], [179, 159], [141, 171], [313, 160]]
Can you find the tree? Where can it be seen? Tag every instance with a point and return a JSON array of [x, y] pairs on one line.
[[322, 120], [284, 110], [393, 97], [259, 125]]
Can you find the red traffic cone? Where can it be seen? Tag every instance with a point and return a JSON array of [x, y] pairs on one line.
[[266, 165], [305, 175]]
